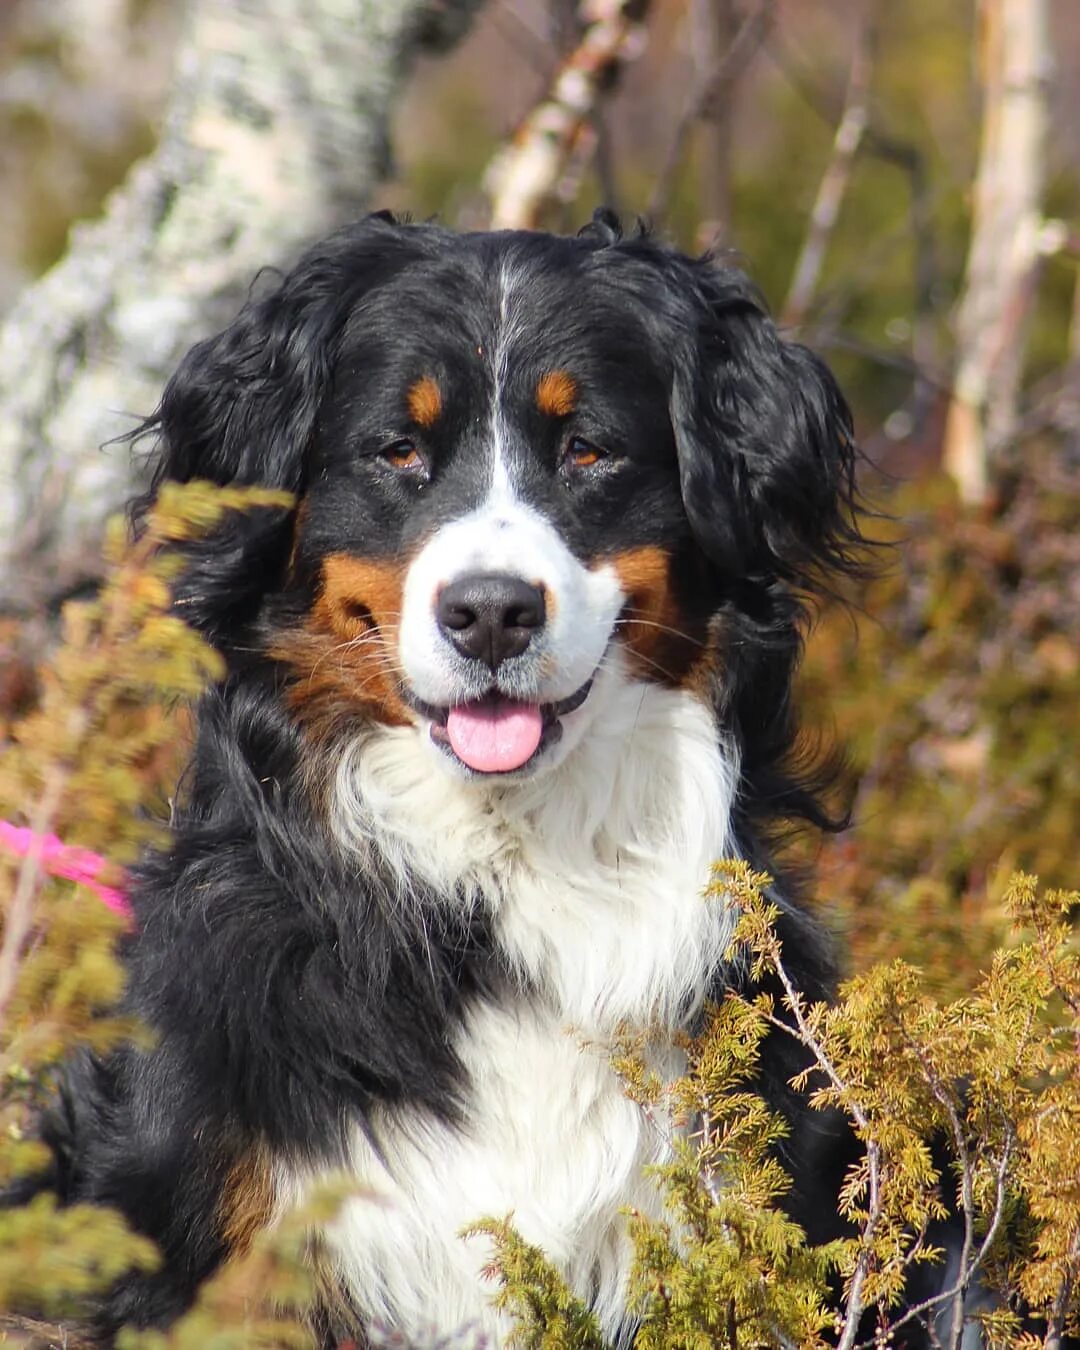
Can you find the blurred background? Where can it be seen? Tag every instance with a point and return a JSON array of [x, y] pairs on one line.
[[902, 180]]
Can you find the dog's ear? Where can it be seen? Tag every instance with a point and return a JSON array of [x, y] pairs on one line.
[[764, 438], [242, 407]]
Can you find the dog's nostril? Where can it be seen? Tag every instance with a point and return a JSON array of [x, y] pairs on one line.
[[456, 617], [490, 618]]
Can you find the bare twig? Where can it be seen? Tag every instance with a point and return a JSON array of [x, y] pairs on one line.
[[826, 209], [604, 161], [531, 44], [713, 25], [971, 1261], [854, 1304], [708, 88], [919, 1311], [33, 1333], [883, 144]]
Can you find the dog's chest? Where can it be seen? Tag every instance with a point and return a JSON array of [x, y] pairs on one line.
[[549, 1136], [594, 897], [549, 1139]]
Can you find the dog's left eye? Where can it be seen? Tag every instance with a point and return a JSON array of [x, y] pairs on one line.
[[403, 455], [582, 454]]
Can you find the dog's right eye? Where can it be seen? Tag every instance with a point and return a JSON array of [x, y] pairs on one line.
[[582, 454], [403, 455]]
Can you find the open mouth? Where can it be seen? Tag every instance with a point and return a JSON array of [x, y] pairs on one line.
[[495, 734]]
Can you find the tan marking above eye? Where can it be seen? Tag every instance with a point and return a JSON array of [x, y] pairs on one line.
[[556, 393], [424, 401]]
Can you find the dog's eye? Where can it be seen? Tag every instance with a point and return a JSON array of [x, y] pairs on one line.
[[582, 454], [403, 455]]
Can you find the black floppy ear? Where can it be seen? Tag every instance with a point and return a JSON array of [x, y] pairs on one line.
[[242, 407], [764, 437]]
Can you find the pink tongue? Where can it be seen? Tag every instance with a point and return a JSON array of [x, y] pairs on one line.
[[495, 737]]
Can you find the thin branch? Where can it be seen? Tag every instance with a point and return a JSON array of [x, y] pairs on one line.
[[532, 45], [918, 1311], [47, 1335], [604, 161], [849, 135], [883, 144], [713, 26], [854, 1306], [703, 94]]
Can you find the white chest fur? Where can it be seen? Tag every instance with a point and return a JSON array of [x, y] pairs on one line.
[[593, 877]]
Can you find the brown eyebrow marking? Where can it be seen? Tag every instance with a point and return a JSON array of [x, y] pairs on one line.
[[424, 401], [556, 393]]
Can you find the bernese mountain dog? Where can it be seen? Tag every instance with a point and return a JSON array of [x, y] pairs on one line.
[[510, 676]]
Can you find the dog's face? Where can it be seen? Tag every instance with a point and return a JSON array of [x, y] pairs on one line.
[[494, 504], [525, 466]]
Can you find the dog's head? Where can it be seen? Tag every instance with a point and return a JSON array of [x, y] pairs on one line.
[[523, 464]]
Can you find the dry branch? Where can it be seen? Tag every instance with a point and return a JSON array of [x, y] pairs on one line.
[[882, 142], [713, 26], [708, 95], [826, 210], [28, 1333], [559, 132]]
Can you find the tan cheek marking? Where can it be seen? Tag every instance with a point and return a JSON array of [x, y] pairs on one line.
[[556, 393], [344, 656], [658, 637], [424, 401], [247, 1202], [360, 592]]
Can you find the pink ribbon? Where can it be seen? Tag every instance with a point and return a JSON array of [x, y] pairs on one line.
[[63, 860]]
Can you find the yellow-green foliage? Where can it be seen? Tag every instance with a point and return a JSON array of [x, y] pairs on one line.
[[726, 1266], [994, 1075], [102, 743], [546, 1312]]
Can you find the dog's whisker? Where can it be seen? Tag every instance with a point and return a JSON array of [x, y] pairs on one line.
[[662, 627]]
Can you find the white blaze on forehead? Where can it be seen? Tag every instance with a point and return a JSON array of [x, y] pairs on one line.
[[506, 537], [506, 330]]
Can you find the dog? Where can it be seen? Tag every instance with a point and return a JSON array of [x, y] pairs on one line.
[[511, 674]]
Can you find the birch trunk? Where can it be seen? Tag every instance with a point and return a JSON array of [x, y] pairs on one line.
[[276, 132], [1004, 250]]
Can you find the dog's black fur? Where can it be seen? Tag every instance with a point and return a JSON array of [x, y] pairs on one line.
[[292, 998]]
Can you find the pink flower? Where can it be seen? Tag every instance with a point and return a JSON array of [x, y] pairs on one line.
[[62, 860]]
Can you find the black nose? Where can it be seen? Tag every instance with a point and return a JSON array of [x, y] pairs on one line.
[[490, 618]]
